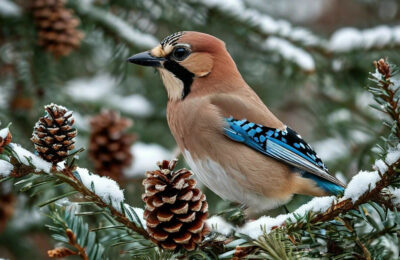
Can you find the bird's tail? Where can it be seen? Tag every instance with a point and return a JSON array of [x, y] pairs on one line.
[[324, 184]]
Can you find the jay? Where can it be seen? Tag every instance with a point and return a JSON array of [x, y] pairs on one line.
[[227, 135]]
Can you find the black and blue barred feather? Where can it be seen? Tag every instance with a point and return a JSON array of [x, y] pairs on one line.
[[284, 145]]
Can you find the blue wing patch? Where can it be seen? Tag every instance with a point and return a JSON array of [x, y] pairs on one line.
[[284, 145]]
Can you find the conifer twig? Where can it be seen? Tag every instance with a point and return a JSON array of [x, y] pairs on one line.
[[394, 112], [61, 252], [66, 175]]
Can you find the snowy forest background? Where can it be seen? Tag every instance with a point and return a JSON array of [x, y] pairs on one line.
[[309, 61]]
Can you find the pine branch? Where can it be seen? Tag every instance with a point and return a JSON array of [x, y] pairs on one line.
[[320, 217], [390, 107], [115, 25], [389, 101], [346, 205], [68, 176], [71, 230], [65, 251]]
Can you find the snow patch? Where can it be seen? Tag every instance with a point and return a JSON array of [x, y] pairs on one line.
[[395, 80], [340, 176], [4, 132], [119, 26], [349, 39], [139, 212], [266, 23], [28, 158], [9, 9], [331, 149], [318, 204], [81, 121], [380, 166], [92, 89], [290, 52], [255, 228], [101, 89], [339, 115], [395, 196], [146, 156], [393, 155], [134, 105], [220, 225], [107, 189], [361, 183], [5, 168]]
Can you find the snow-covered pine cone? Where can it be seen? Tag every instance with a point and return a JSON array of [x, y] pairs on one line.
[[56, 26], [53, 135], [175, 211], [109, 145]]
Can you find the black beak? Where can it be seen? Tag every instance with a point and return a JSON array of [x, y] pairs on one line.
[[146, 59]]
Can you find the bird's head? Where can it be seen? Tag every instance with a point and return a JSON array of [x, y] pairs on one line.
[[188, 62]]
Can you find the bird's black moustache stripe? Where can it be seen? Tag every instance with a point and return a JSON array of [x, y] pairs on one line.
[[182, 74]]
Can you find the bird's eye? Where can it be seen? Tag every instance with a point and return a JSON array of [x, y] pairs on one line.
[[180, 53]]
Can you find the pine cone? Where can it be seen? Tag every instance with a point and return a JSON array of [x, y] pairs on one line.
[[109, 147], [7, 205], [4, 140], [53, 135], [175, 211], [56, 26]]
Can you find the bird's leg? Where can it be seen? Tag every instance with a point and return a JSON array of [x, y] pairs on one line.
[[236, 213]]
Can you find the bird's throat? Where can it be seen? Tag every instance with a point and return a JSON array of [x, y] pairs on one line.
[[173, 85], [177, 80]]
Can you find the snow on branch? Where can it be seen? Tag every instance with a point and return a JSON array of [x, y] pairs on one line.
[[29, 159], [290, 52], [265, 23], [360, 184], [145, 155], [5, 168], [219, 225], [280, 32], [106, 188], [4, 132], [350, 39], [102, 191], [9, 9], [118, 26], [255, 228], [101, 89]]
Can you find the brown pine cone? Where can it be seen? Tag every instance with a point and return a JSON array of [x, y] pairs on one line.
[[53, 135], [175, 211], [5, 138], [7, 206], [56, 26], [109, 147]]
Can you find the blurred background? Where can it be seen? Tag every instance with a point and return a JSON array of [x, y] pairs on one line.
[[309, 61]]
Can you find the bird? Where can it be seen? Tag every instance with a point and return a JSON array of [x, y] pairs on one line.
[[232, 142]]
